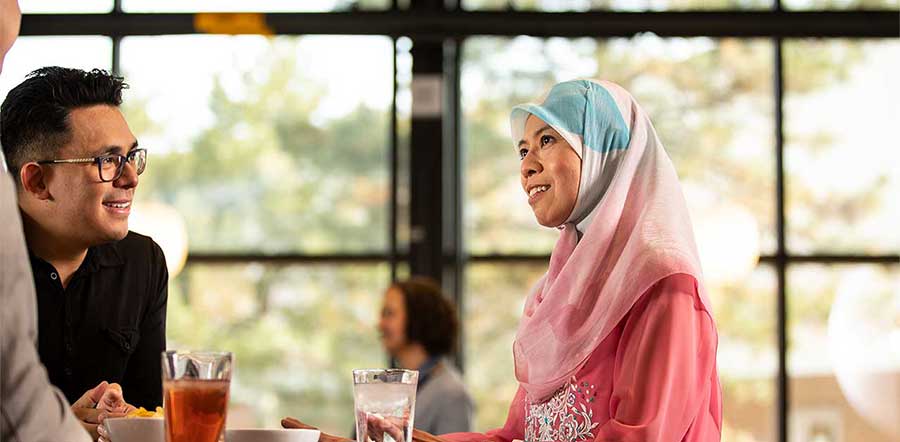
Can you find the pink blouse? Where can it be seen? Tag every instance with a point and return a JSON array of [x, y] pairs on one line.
[[653, 379]]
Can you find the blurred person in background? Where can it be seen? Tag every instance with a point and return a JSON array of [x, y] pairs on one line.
[[419, 328]]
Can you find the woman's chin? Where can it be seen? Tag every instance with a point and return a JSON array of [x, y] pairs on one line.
[[551, 222]]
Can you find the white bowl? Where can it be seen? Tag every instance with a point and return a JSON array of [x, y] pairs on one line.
[[261, 435], [135, 429]]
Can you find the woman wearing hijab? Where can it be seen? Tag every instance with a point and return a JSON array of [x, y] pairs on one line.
[[617, 341]]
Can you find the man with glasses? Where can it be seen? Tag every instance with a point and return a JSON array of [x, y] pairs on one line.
[[101, 290], [30, 408]]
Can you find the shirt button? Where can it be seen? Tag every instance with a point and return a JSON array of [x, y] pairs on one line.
[[69, 348], [68, 371], [54, 276]]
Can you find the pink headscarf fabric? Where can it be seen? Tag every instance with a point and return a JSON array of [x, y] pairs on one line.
[[634, 231]]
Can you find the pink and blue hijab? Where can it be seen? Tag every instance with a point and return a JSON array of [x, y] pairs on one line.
[[629, 229]]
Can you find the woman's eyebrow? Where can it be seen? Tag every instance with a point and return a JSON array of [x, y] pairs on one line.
[[535, 133], [546, 127]]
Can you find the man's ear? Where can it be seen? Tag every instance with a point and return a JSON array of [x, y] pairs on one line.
[[34, 181]]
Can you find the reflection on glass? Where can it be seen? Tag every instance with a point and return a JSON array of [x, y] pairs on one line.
[[841, 114], [30, 53], [744, 311], [616, 5], [269, 145], [296, 331], [844, 332], [710, 101], [256, 6]]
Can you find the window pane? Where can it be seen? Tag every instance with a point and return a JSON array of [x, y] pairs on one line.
[[615, 5], [30, 53], [296, 332], [710, 100], [256, 6], [841, 114], [843, 360], [840, 4], [747, 358], [266, 145], [494, 300], [744, 311], [65, 6]]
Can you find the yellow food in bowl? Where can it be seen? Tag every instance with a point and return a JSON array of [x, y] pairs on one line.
[[142, 412]]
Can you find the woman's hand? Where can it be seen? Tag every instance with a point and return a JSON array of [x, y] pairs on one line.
[[421, 436], [418, 435]]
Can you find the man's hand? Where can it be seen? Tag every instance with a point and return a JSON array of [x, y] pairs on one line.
[[113, 400], [85, 408]]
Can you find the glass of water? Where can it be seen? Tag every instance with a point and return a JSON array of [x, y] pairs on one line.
[[385, 402]]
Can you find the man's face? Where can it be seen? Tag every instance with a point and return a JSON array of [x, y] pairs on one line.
[[10, 16], [86, 209]]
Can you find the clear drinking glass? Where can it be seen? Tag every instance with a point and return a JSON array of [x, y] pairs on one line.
[[195, 395], [385, 404]]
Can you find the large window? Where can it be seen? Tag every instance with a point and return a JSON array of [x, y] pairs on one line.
[[288, 163]]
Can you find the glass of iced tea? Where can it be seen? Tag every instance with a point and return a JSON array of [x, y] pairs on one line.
[[195, 395]]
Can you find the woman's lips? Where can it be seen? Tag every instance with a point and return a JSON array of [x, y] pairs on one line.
[[536, 193]]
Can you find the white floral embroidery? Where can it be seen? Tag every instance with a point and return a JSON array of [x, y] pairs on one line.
[[566, 417]]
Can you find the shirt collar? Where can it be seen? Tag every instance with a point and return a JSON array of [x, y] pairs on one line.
[[427, 369], [104, 255]]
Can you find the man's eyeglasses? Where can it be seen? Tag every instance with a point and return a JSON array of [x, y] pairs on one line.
[[110, 166]]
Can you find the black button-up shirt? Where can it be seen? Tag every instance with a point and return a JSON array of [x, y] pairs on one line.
[[109, 323]]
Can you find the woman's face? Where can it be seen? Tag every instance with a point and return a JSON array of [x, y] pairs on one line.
[[392, 325], [550, 172]]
